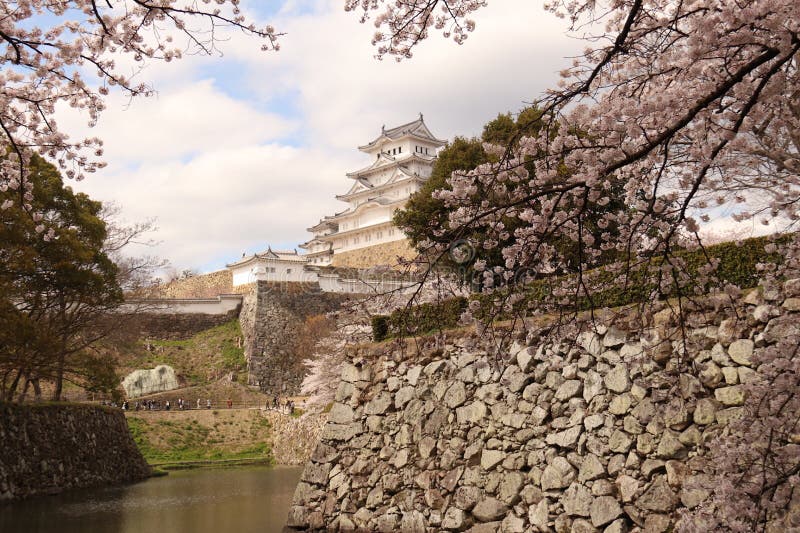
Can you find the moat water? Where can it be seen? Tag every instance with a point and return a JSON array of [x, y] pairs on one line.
[[235, 500]]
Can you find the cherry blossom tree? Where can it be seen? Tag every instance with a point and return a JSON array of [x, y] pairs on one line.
[[72, 52], [693, 106], [402, 25], [674, 98]]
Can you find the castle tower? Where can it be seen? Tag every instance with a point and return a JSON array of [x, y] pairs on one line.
[[401, 161]]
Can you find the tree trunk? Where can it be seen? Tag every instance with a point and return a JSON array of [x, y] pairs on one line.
[[13, 387], [37, 389], [62, 355], [24, 392], [59, 377]]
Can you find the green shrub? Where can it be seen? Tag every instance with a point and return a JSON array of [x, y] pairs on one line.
[[420, 319], [427, 317], [380, 328], [737, 265]]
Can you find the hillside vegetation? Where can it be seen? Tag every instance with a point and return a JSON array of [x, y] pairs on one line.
[[197, 436], [201, 359]]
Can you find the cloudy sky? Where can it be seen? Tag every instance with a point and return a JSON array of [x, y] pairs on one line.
[[248, 149]]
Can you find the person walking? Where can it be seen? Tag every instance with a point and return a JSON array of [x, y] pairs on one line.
[[198, 403]]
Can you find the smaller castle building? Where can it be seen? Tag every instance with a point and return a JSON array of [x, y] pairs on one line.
[[401, 161], [270, 265]]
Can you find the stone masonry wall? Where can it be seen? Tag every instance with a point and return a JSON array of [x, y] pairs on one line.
[[50, 448], [272, 320], [385, 254], [200, 286], [592, 433], [173, 326]]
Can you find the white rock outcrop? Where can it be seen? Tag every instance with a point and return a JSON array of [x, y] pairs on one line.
[[141, 382]]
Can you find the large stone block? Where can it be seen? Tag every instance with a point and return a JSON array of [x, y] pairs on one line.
[[142, 382], [489, 509]]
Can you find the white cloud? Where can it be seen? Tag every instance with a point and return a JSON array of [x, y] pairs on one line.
[[511, 58], [209, 158], [223, 202], [176, 123]]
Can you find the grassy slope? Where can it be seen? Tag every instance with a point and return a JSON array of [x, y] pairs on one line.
[[201, 435], [201, 359], [202, 362]]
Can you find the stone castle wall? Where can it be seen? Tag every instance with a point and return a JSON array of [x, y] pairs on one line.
[[272, 320], [378, 255], [50, 448], [173, 326], [590, 433], [201, 286]]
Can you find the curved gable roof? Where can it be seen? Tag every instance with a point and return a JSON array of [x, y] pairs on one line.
[[416, 128], [390, 162]]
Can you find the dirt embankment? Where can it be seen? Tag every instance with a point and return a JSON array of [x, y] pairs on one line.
[[206, 436]]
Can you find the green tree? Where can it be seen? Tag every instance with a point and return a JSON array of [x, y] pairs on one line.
[[424, 214], [425, 218], [500, 130], [57, 283]]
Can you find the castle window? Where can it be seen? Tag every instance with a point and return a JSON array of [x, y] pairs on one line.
[[400, 150]]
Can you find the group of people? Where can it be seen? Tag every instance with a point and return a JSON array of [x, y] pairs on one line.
[[158, 405], [287, 406], [284, 407]]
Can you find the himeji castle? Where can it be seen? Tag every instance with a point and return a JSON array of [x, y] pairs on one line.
[[401, 161]]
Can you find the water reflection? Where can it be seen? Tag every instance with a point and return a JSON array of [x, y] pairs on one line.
[[239, 500]]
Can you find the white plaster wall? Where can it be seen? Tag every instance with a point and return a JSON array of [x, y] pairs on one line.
[[333, 283], [242, 275], [374, 215], [389, 233], [270, 270], [210, 306]]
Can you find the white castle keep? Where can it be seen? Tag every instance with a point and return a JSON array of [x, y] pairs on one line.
[[402, 160]]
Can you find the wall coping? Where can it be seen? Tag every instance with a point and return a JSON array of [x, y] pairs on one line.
[[218, 299]]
